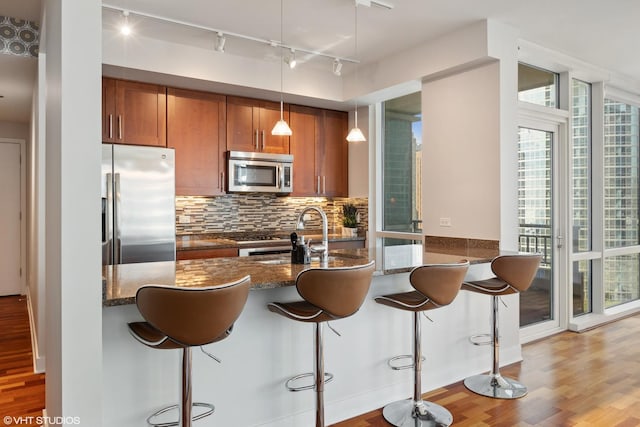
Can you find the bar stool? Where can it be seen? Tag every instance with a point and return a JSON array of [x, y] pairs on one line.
[[436, 285], [328, 294], [182, 318], [514, 274]]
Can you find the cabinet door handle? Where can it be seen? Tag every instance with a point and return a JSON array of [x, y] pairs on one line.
[[318, 185], [324, 184], [119, 127], [263, 138], [110, 126], [257, 142]]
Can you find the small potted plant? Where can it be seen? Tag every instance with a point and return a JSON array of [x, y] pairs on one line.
[[349, 220]]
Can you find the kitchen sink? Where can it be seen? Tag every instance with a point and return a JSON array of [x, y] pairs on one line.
[[275, 261]]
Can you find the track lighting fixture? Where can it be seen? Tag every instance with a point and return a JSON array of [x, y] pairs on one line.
[[291, 59], [337, 67], [222, 35], [220, 42], [125, 28]]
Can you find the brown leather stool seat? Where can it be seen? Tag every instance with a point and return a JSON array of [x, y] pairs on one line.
[[181, 318], [514, 274], [436, 285], [329, 294]]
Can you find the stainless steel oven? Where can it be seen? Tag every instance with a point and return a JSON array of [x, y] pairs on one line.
[[260, 172]]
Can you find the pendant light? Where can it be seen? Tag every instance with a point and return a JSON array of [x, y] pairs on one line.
[[281, 128], [355, 134]]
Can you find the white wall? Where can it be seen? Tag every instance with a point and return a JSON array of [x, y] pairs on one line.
[[36, 217], [14, 130], [461, 154], [71, 41], [206, 66]]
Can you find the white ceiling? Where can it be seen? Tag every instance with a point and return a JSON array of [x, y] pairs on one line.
[[602, 33]]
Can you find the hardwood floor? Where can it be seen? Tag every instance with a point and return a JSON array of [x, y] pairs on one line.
[[582, 380], [21, 391], [587, 379]]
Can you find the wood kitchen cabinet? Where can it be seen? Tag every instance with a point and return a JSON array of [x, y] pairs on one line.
[[196, 130], [133, 113], [249, 124], [320, 152]]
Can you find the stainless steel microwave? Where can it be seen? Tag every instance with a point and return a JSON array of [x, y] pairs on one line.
[[259, 172]]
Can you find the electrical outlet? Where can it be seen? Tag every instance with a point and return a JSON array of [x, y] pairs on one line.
[[306, 217], [445, 222], [184, 219]]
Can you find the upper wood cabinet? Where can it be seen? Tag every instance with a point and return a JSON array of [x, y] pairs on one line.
[[133, 113], [333, 161], [320, 152], [196, 129], [249, 124]]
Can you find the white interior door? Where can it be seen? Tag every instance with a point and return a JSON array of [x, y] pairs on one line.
[[10, 227]]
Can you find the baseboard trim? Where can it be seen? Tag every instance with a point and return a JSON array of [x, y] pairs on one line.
[[38, 361]]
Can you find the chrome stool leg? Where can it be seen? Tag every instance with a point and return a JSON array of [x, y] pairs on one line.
[[493, 384], [319, 377], [186, 404], [417, 412]]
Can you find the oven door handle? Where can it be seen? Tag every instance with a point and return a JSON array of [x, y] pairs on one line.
[[268, 250]]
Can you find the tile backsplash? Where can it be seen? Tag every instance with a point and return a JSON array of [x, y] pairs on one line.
[[256, 212]]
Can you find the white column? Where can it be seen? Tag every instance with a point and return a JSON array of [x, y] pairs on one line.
[[72, 43]]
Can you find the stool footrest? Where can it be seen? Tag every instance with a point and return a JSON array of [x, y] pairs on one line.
[[209, 411], [481, 339], [327, 379], [401, 367]]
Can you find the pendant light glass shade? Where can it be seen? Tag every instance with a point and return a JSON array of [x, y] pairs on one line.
[[356, 135], [281, 127]]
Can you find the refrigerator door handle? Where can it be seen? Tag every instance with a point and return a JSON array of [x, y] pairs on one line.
[[116, 221], [107, 215]]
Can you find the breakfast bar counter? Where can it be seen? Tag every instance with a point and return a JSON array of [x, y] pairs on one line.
[[266, 271], [265, 350]]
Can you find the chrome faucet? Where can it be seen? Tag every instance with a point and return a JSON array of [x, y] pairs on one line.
[[323, 248]]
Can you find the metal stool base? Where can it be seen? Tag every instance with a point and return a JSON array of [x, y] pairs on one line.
[[408, 413], [495, 386], [209, 411]]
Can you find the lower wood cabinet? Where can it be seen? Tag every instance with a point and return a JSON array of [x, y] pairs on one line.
[[207, 253], [196, 128]]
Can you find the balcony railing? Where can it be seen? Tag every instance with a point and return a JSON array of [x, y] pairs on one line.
[[536, 238]]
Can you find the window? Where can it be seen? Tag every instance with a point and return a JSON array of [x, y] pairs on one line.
[[581, 188], [402, 159], [537, 86], [621, 201]]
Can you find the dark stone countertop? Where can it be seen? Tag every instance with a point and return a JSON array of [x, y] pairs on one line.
[[235, 240], [267, 271]]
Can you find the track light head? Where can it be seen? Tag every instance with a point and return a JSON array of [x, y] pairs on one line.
[[220, 42], [125, 28], [291, 59], [337, 67]]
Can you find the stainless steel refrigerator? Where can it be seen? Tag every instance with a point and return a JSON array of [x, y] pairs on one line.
[[138, 204]]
